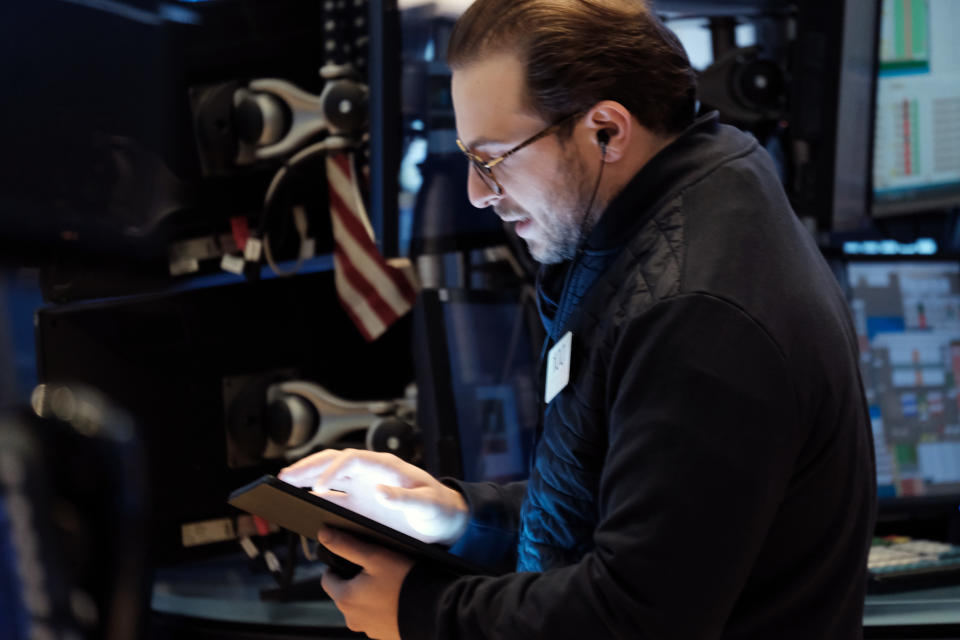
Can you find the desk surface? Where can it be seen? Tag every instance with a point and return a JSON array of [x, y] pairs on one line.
[[225, 589], [915, 608]]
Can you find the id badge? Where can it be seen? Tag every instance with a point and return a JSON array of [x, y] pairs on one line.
[[558, 367]]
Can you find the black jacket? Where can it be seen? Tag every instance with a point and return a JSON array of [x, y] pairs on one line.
[[708, 472]]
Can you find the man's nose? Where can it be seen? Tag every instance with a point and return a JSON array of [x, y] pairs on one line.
[[481, 196]]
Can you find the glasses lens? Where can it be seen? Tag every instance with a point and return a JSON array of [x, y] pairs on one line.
[[486, 177]]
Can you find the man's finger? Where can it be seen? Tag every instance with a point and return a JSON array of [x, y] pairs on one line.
[[305, 477], [398, 497], [332, 496], [304, 472], [313, 459], [347, 546], [335, 586], [332, 470]]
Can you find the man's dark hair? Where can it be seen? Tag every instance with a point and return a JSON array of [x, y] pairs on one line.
[[578, 52]]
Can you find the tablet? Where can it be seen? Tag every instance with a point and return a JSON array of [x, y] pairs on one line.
[[302, 512]]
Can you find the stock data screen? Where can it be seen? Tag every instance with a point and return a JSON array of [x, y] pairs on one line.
[[907, 316], [917, 127]]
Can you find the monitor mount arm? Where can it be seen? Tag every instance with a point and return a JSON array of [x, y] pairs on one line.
[[243, 123], [303, 417], [276, 118]]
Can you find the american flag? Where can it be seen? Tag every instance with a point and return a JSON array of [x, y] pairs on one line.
[[373, 293]]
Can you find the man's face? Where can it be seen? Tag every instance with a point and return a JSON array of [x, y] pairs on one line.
[[543, 184]]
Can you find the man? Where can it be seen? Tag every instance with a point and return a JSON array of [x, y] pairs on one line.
[[707, 469]]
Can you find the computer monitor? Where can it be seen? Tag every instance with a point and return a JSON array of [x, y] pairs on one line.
[[916, 158], [476, 365], [907, 316]]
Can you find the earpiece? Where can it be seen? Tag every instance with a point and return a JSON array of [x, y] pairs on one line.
[[603, 137]]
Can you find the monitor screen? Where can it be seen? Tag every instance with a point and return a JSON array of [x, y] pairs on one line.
[[916, 163], [476, 373], [907, 315]]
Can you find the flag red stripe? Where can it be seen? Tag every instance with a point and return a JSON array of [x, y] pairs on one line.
[[365, 302], [357, 322], [357, 313], [354, 227], [342, 160], [406, 289], [357, 231], [379, 306], [383, 269]]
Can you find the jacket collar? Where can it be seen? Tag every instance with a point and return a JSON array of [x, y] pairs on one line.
[[693, 154]]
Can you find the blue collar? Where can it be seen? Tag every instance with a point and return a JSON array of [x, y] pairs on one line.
[[556, 304]]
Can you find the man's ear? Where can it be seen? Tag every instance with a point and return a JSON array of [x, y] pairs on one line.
[[610, 127]]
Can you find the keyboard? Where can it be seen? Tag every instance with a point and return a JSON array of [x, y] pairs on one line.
[[898, 563]]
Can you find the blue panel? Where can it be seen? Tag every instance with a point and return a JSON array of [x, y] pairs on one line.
[[13, 616], [893, 73], [884, 324], [18, 300], [886, 491]]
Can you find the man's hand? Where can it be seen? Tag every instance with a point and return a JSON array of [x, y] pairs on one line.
[[384, 488], [369, 601]]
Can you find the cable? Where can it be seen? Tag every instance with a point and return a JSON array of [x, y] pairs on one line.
[[581, 240], [300, 222], [286, 576], [333, 143], [308, 553], [586, 216]]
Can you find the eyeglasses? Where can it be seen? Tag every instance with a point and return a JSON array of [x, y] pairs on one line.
[[484, 168]]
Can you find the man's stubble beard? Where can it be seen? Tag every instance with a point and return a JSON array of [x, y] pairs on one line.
[[561, 238]]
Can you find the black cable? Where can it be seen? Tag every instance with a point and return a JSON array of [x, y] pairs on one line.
[[581, 240], [286, 577], [583, 223]]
